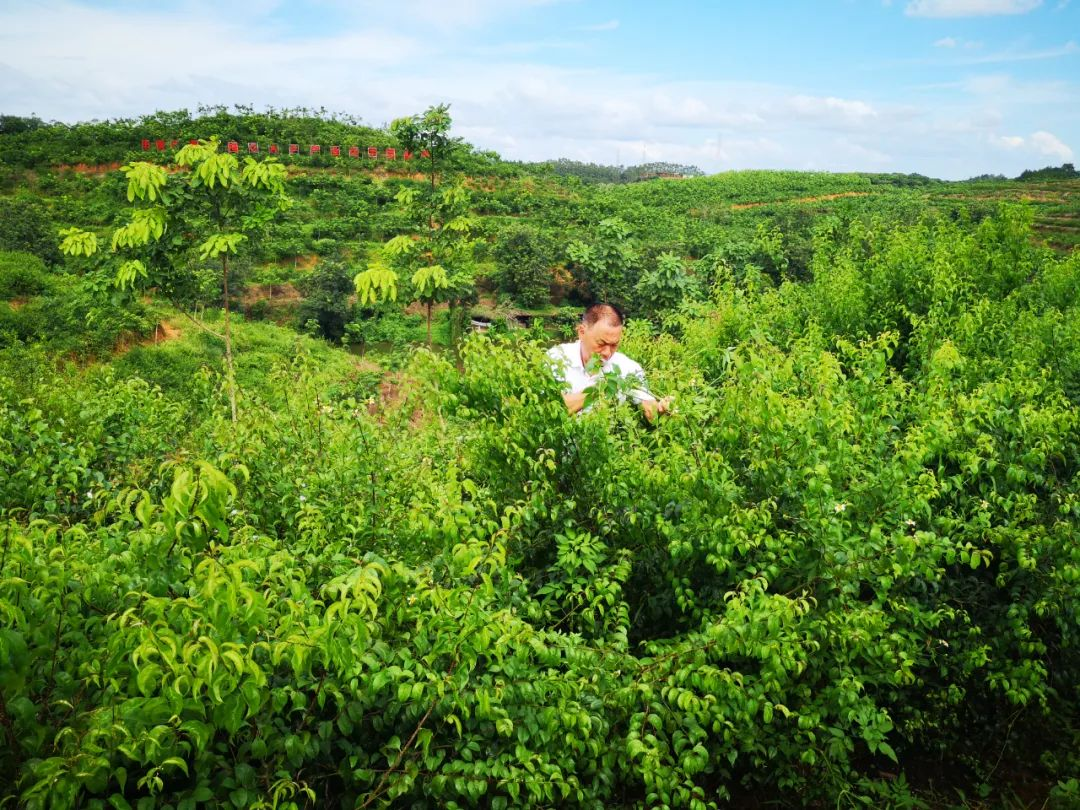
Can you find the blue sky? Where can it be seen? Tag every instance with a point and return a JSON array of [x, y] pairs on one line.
[[948, 88]]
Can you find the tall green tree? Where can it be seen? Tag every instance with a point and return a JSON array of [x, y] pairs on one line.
[[435, 262], [428, 132], [203, 211]]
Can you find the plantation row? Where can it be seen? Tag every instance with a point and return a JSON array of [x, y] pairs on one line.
[[846, 571]]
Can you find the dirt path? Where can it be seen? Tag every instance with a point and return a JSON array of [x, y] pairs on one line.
[[820, 198], [84, 168], [163, 331]]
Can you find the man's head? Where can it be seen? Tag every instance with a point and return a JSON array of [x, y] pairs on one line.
[[600, 331]]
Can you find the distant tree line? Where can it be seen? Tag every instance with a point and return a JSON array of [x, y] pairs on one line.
[[1064, 172], [29, 142], [600, 173]]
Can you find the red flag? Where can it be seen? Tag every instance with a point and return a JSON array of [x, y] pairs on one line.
[[145, 144], [172, 144], [335, 151], [294, 149], [160, 144], [425, 153], [407, 155], [391, 153], [234, 147], [314, 148], [194, 141], [273, 149], [253, 147], [372, 152], [354, 151]]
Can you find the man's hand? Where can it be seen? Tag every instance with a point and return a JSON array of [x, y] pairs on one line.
[[574, 402], [652, 407]]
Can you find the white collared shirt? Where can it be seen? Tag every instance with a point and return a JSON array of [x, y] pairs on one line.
[[566, 362]]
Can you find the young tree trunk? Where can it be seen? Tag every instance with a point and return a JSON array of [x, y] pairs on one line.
[[429, 324], [229, 376], [431, 215]]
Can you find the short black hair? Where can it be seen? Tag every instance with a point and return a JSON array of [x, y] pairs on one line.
[[602, 312]]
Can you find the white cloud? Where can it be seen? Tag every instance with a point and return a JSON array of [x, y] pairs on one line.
[[866, 156], [1003, 89], [1008, 141], [945, 42], [610, 25], [138, 62], [134, 62], [969, 8], [1042, 143], [1012, 55], [1047, 144], [457, 14], [831, 109], [526, 48]]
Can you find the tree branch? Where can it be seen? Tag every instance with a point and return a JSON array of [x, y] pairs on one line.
[[202, 326]]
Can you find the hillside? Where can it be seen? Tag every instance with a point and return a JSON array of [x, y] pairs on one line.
[[59, 176], [277, 529]]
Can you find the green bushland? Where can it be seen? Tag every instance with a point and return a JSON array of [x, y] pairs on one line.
[[846, 568], [78, 315], [26, 226], [23, 275], [173, 364]]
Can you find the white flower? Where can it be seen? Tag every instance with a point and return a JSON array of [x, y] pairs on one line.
[[89, 494], [984, 504], [302, 498], [840, 507], [234, 512], [910, 522]]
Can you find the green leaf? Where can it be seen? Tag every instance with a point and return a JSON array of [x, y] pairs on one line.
[[145, 180], [77, 242], [148, 679], [176, 762], [376, 284], [220, 243]]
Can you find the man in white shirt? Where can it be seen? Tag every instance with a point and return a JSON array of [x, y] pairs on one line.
[[599, 334]]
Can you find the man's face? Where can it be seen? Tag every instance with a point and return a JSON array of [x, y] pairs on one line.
[[601, 338]]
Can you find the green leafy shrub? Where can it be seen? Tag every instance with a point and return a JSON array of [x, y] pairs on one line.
[[327, 289], [846, 559], [23, 275], [524, 257], [26, 226]]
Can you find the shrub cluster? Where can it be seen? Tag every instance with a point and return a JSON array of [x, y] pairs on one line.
[[850, 555]]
